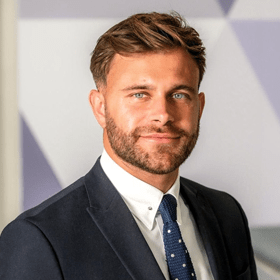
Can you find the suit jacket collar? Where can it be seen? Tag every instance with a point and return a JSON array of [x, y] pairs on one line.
[[209, 229], [111, 215]]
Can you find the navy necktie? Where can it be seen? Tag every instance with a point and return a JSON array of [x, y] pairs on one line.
[[178, 258]]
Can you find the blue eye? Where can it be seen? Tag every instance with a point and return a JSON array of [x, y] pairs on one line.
[[178, 95], [139, 95]]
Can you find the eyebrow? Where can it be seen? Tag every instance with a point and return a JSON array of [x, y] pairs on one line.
[[137, 87], [184, 87]]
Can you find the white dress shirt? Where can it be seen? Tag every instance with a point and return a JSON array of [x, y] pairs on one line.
[[143, 201]]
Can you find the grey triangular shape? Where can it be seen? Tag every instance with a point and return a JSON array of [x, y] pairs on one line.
[[261, 41], [226, 5], [39, 180]]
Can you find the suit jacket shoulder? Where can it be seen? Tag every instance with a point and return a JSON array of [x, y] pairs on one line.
[[84, 232], [224, 229], [28, 245]]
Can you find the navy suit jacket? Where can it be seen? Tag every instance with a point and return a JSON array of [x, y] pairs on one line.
[[86, 232]]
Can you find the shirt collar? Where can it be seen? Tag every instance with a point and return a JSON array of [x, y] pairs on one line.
[[141, 198]]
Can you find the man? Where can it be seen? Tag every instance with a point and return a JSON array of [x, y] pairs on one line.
[[114, 222]]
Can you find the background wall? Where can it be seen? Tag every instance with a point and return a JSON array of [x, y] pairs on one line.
[[238, 150]]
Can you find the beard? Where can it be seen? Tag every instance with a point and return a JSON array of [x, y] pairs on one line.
[[165, 158]]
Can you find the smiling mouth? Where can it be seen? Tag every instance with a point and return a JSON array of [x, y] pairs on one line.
[[160, 137]]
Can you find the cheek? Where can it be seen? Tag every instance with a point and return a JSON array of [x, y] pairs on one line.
[[189, 119], [124, 118], [127, 120]]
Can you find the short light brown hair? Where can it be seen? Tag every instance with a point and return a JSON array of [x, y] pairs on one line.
[[146, 32]]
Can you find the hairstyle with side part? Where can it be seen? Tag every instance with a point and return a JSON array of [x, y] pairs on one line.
[[146, 32]]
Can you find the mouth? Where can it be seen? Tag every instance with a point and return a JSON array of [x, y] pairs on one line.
[[160, 137]]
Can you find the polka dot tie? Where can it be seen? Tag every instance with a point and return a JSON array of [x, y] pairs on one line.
[[178, 258]]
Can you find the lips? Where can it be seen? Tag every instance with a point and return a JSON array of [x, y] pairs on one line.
[[160, 137]]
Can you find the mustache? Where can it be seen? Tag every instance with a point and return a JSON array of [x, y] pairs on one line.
[[171, 129]]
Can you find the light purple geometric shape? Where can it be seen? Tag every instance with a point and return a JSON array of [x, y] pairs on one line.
[[226, 5], [39, 181], [114, 9], [261, 43]]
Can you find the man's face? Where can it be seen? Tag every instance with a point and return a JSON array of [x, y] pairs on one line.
[[152, 109]]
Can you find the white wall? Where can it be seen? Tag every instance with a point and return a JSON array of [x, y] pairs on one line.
[[238, 150]]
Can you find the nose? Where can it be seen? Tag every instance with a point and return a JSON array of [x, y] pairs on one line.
[[161, 111]]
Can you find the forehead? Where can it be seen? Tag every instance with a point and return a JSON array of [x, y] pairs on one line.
[[155, 66]]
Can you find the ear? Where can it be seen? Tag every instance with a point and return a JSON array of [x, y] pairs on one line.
[[201, 97], [97, 103]]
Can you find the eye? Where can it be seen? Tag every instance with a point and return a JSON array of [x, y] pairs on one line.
[[179, 95], [139, 95]]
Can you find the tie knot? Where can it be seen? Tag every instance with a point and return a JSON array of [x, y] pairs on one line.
[[167, 208]]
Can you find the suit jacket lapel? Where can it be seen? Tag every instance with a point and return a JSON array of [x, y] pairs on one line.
[[210, 231], [118, 226]]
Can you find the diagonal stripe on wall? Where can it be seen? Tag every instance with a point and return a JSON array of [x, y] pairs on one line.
[[39, 181], [226, 5], [261, 43]]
